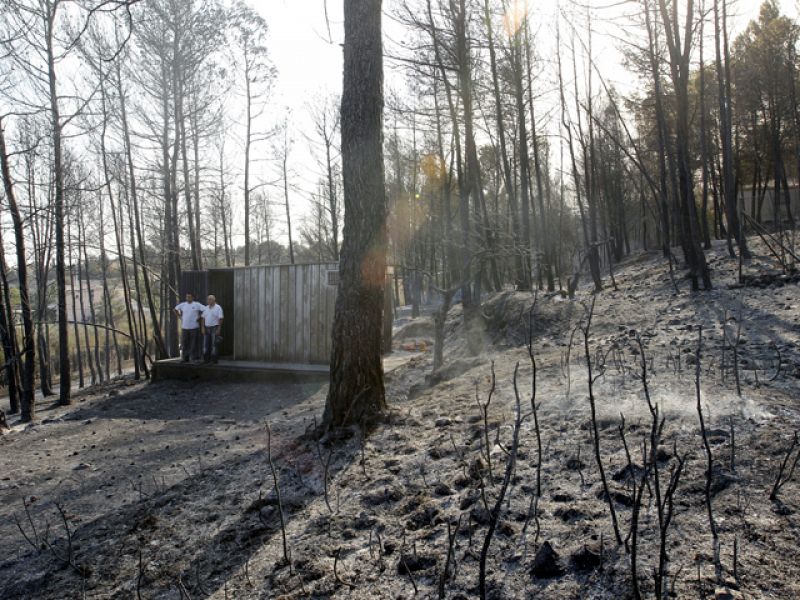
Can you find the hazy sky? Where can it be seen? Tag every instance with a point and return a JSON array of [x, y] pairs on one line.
[[309, 64]]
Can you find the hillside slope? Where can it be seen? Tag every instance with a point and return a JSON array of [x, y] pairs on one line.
[[169, 492]]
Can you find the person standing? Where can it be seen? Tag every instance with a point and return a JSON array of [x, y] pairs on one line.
[[212, 322], [190, 312]]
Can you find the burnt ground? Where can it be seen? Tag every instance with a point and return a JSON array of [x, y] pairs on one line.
[[167, 488]]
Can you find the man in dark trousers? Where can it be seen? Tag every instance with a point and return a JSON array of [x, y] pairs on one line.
[[212, 323], [189, 312]]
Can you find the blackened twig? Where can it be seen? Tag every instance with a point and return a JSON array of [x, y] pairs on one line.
[[286, 554], [494, 515], [710, 459], [595, 430], [336, 577], [783, 477]]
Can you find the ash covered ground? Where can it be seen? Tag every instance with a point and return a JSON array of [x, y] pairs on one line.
[[167, 491]]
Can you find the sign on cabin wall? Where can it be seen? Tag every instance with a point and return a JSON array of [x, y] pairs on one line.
[[284, 313]]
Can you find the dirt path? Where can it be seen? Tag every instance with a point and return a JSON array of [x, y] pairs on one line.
[[131, 443]]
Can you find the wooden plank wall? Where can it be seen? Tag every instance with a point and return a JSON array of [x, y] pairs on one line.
[[195, 282], [284, 313], [220, 283]]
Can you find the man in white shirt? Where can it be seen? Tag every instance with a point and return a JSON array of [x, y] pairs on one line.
[[189, 312], [212, 322]]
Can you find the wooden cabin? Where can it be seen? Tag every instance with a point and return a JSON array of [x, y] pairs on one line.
[[275, 313]]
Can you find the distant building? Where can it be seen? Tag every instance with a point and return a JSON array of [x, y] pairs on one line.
[[761, 205]]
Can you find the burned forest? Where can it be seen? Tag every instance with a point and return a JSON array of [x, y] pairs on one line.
[[399, 299]]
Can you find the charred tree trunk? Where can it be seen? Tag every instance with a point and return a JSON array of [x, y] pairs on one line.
[[521, 274], [356, 394], [161, 350], [286, 195], [223, 211], [725, 118], [388, 315], [458, 257], [8, 338], [247, 142], [118, 238], [65, 373], [81, 299], [27, 402], [576, 177], [76, 333], [90, 293], [588, 154], [663, 142], [524, 158], [703, 138], [679, 62], [139, 336], [107, 305], [542, 191]]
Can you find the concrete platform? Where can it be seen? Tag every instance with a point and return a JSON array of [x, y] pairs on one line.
[[238, 370], [245, 370]]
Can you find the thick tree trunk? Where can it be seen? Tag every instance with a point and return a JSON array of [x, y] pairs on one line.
[[474, 182], [172, 257], [450, 261], [356, 394]]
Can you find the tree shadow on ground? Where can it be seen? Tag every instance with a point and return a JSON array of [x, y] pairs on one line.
[[201, 530], [172, 400]]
